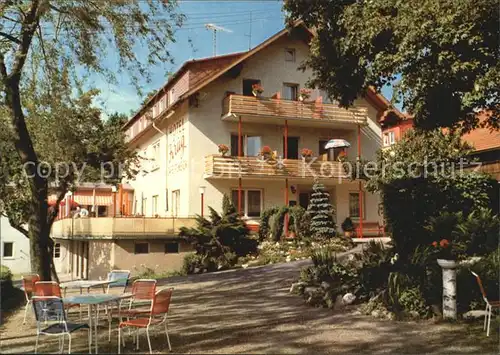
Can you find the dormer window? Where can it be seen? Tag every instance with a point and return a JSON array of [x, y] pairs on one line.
[[289, 55]]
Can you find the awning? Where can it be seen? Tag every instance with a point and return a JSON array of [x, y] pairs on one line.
[[88, 200]]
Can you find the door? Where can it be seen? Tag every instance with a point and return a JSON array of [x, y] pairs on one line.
[[247, 86], [290, 91], [304, 199], [293, 147]]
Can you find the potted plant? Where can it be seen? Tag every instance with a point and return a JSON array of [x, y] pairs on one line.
[[304, 94], [306, 153], [257, 89], [347, 227], [266, 152], [342, 157], [223, 149]]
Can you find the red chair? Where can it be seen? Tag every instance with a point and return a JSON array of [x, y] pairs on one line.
[[157, 315], [47, 288], [28, 287], [489, 305], [143, 292]]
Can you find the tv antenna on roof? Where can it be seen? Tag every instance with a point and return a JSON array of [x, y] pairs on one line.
[[215, 28]]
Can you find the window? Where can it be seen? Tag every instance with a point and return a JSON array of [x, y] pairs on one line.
[[155, 110], [57, 250], [251, 145], [155, 155], [354, 205], [389, 138], [176, 202], [162, 104], [144, 206], [155, 205], [141, 248], [8, 249], [172, 248], [290, 91], [102, 211], [289, 55], [247, 86], [292, 147], [251, 202]]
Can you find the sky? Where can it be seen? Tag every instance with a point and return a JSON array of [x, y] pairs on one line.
[[261, 19]]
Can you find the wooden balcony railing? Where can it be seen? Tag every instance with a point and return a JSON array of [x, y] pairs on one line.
[[217, 166], [288, 109], [118, 227]]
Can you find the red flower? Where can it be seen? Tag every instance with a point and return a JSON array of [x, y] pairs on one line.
[[266, 150], [307, 152], [434, 244], [444, 243]]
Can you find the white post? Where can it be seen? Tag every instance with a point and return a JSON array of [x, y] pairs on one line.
[[449, 288]]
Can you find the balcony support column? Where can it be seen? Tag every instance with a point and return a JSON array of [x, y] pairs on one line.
[[120, 193], [240, 154], [285, 154], [360, 188]]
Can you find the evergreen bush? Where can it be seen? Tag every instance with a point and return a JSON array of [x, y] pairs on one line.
[[321, 211]]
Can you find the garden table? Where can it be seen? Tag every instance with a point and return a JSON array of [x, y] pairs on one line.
[[93, 300], [88, 284]]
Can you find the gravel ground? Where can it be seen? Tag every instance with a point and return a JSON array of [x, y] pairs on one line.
[[251, 311]]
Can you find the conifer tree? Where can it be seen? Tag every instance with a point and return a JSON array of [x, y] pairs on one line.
[[321, 211]]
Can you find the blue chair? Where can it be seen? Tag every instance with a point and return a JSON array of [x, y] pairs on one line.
[[119, 278], [51, 320]]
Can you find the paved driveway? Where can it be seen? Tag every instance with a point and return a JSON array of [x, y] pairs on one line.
[[251, 311]]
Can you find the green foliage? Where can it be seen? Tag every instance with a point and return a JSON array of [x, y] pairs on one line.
[[347, 225], [146, 272], [444, 54], [478, 232], [264, 227], [190, 262], [220, 240], [323, 257], [420, 178], [321, 211], [272, 222], [488, 268], [5, 273]]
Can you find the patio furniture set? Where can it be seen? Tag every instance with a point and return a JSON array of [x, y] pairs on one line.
[[142, 308]]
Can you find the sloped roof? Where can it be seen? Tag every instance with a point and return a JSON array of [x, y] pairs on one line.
[[483, 139], [206, 70]]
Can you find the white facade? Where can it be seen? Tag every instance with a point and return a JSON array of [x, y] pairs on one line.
[[171, 187], [14, 248]]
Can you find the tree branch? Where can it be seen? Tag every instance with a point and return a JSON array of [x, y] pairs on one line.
[[28, 28], [10, 37], [3, 68], [19, 228]]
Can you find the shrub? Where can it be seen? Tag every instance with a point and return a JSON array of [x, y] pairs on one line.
[[5, 273], [220, 240], [190, 263], [478, 232], [272, 222], [321, 211], [347, 225]]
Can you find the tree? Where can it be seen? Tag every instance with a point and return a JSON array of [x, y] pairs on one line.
[[321, 210], [82, 147], [220, 240], [46, 49], [444, 54], [423, 176], [148, 96]]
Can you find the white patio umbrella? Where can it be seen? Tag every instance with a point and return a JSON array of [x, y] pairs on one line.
[[337, 143]]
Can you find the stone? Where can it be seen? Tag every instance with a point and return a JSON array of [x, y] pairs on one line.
[[474, 314], [296, 286], [375, 313], [339, 304], [310, 290], [325, 285], [348, 298], [244, 266]]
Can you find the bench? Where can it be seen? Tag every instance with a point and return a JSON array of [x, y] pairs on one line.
[[370, 229]]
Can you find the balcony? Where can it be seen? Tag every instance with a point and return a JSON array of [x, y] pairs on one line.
[[270, 110], [219, 167], [119, 227]]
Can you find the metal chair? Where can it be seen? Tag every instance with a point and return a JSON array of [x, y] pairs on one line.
[[489, 305], [119, 278], [143, 292], [157, 315], [51, 320], [28, 287]]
